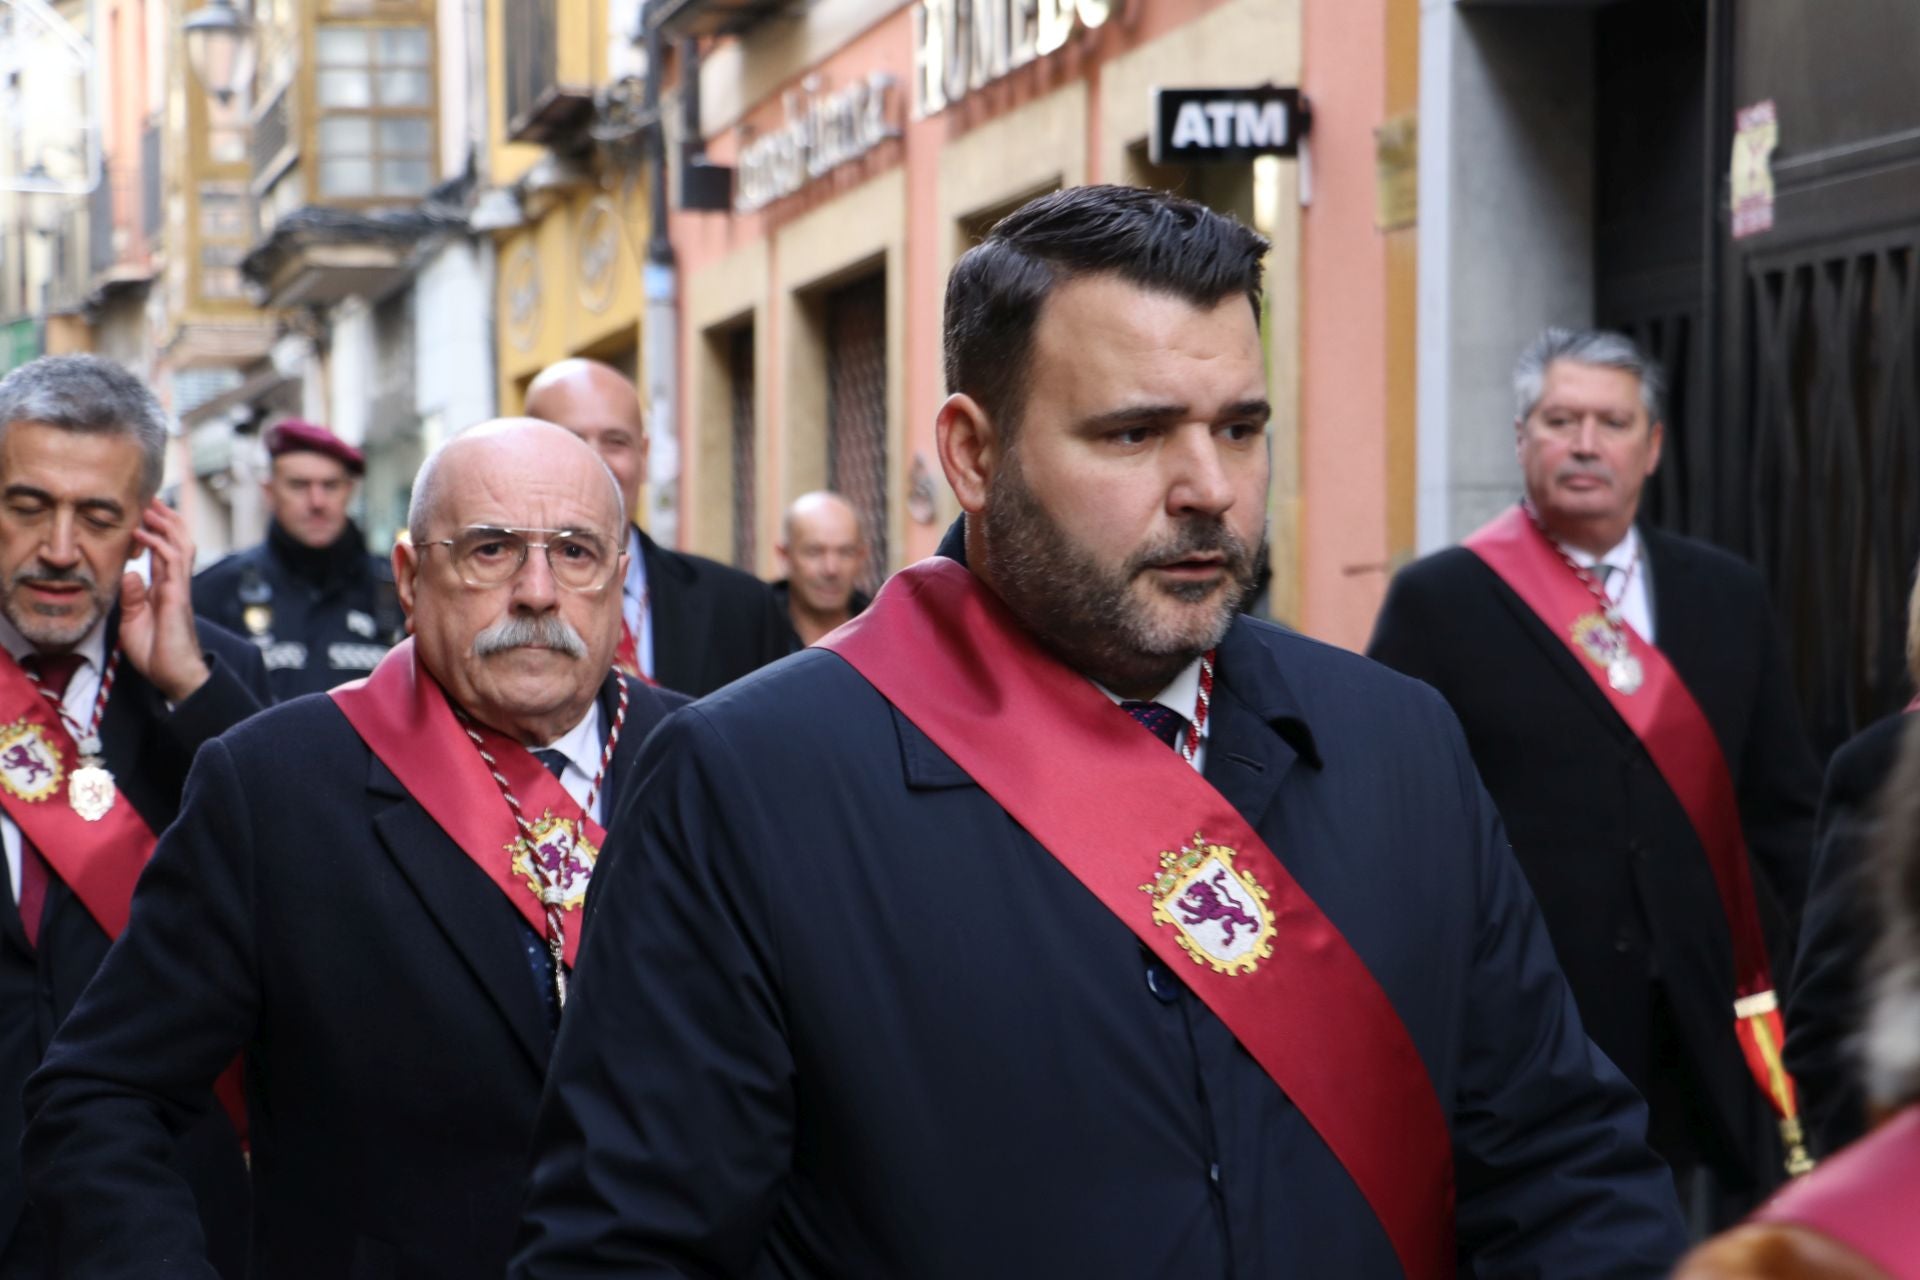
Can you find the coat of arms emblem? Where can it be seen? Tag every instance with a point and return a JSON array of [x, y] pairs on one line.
[[29, 765], [556, 860], [1220, 911]]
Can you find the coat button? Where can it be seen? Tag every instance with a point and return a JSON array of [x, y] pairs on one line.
[[1623, 942], [1160, 981]]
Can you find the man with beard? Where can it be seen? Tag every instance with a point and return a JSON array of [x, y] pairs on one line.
[[687, 622], [376, 897], [1626, 697], [321, 609], [1081, 927], [109, 685]]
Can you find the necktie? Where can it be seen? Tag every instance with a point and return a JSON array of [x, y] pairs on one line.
[[1163, 723], [55, 671], [1602, 572], [538, 956]]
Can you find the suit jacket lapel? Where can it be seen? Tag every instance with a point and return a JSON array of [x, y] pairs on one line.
[[1255, 736], [678, 618], [1557, 655], [625, 751], [466, 906]]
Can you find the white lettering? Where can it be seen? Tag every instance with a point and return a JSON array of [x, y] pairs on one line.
[[1190, 127], [1260, 124], [963, 45], [1221, 113], [819, 135]]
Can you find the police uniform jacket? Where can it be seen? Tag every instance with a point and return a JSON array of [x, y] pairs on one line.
[[857, 1022], [147, 748], [320, 617], [1625, 886], [306, 910]]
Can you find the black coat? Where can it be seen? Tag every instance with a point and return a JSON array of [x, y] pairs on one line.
[[148, 749], [1826, 1002], [711, 624], [857, 1023], [307, 910], [320, 618], [1628, 895]]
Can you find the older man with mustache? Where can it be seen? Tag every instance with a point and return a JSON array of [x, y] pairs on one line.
[[1626, 698], [375, 896]]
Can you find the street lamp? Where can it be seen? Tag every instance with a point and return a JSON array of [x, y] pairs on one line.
[[220, 48]]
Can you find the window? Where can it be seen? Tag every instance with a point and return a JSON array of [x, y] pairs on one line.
[[374, 86]]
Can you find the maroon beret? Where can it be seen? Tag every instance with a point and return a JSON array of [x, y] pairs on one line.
[[295, 436]]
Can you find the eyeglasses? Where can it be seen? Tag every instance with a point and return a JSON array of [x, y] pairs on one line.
[[491, 557]]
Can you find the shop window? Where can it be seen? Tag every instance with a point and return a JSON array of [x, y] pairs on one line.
[[740, 391], [374, 86], [856, 331]]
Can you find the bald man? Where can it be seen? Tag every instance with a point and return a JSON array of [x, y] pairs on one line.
[[688, 623], [825, 552], [350, 899]]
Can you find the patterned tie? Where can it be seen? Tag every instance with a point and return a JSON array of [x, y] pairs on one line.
[[538, 956], [1163, 723], [55, 671]]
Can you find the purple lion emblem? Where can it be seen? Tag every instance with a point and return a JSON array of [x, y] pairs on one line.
[[20, 756], [558, 860], [1203, 902]]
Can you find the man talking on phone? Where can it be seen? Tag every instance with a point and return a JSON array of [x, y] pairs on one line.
[[108, 685]]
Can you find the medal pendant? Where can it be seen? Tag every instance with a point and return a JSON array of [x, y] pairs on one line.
[[90, 789], [1624, 674]]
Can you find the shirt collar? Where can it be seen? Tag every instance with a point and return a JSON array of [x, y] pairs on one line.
[[582, 745], [1620, 556], [1182, 694], [92, 648]]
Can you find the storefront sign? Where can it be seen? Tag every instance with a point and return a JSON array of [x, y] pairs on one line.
[[1756, 131], [1199, 126], [963, 45], [821, 133]]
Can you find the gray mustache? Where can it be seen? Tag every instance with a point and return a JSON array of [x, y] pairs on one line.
[[521, 631], [40, 572]]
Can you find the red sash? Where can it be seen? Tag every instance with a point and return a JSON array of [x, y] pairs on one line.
[[1863, 1197], [945, 651], [405, 719], [99, 861], [1677, 736]]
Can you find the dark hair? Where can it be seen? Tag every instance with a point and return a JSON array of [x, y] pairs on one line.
[[92, 395], [1148, 238]]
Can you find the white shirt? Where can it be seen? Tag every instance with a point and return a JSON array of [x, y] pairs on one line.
[[1181, 695], [1627, 586], [81, 692], [583, 745], [633, 604]]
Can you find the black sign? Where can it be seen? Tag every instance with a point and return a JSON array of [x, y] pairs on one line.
[[1208, 126]]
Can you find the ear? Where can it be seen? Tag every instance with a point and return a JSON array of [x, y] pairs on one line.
[[406, 574], [1656, 439], [970, 450]]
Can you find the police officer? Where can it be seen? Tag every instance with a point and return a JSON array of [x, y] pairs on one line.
[[321, 609]]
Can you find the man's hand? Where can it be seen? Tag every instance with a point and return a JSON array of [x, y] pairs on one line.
[[156, 618]]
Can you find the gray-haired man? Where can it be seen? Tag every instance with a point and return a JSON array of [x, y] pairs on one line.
[[107, 687], [1626, 700]]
